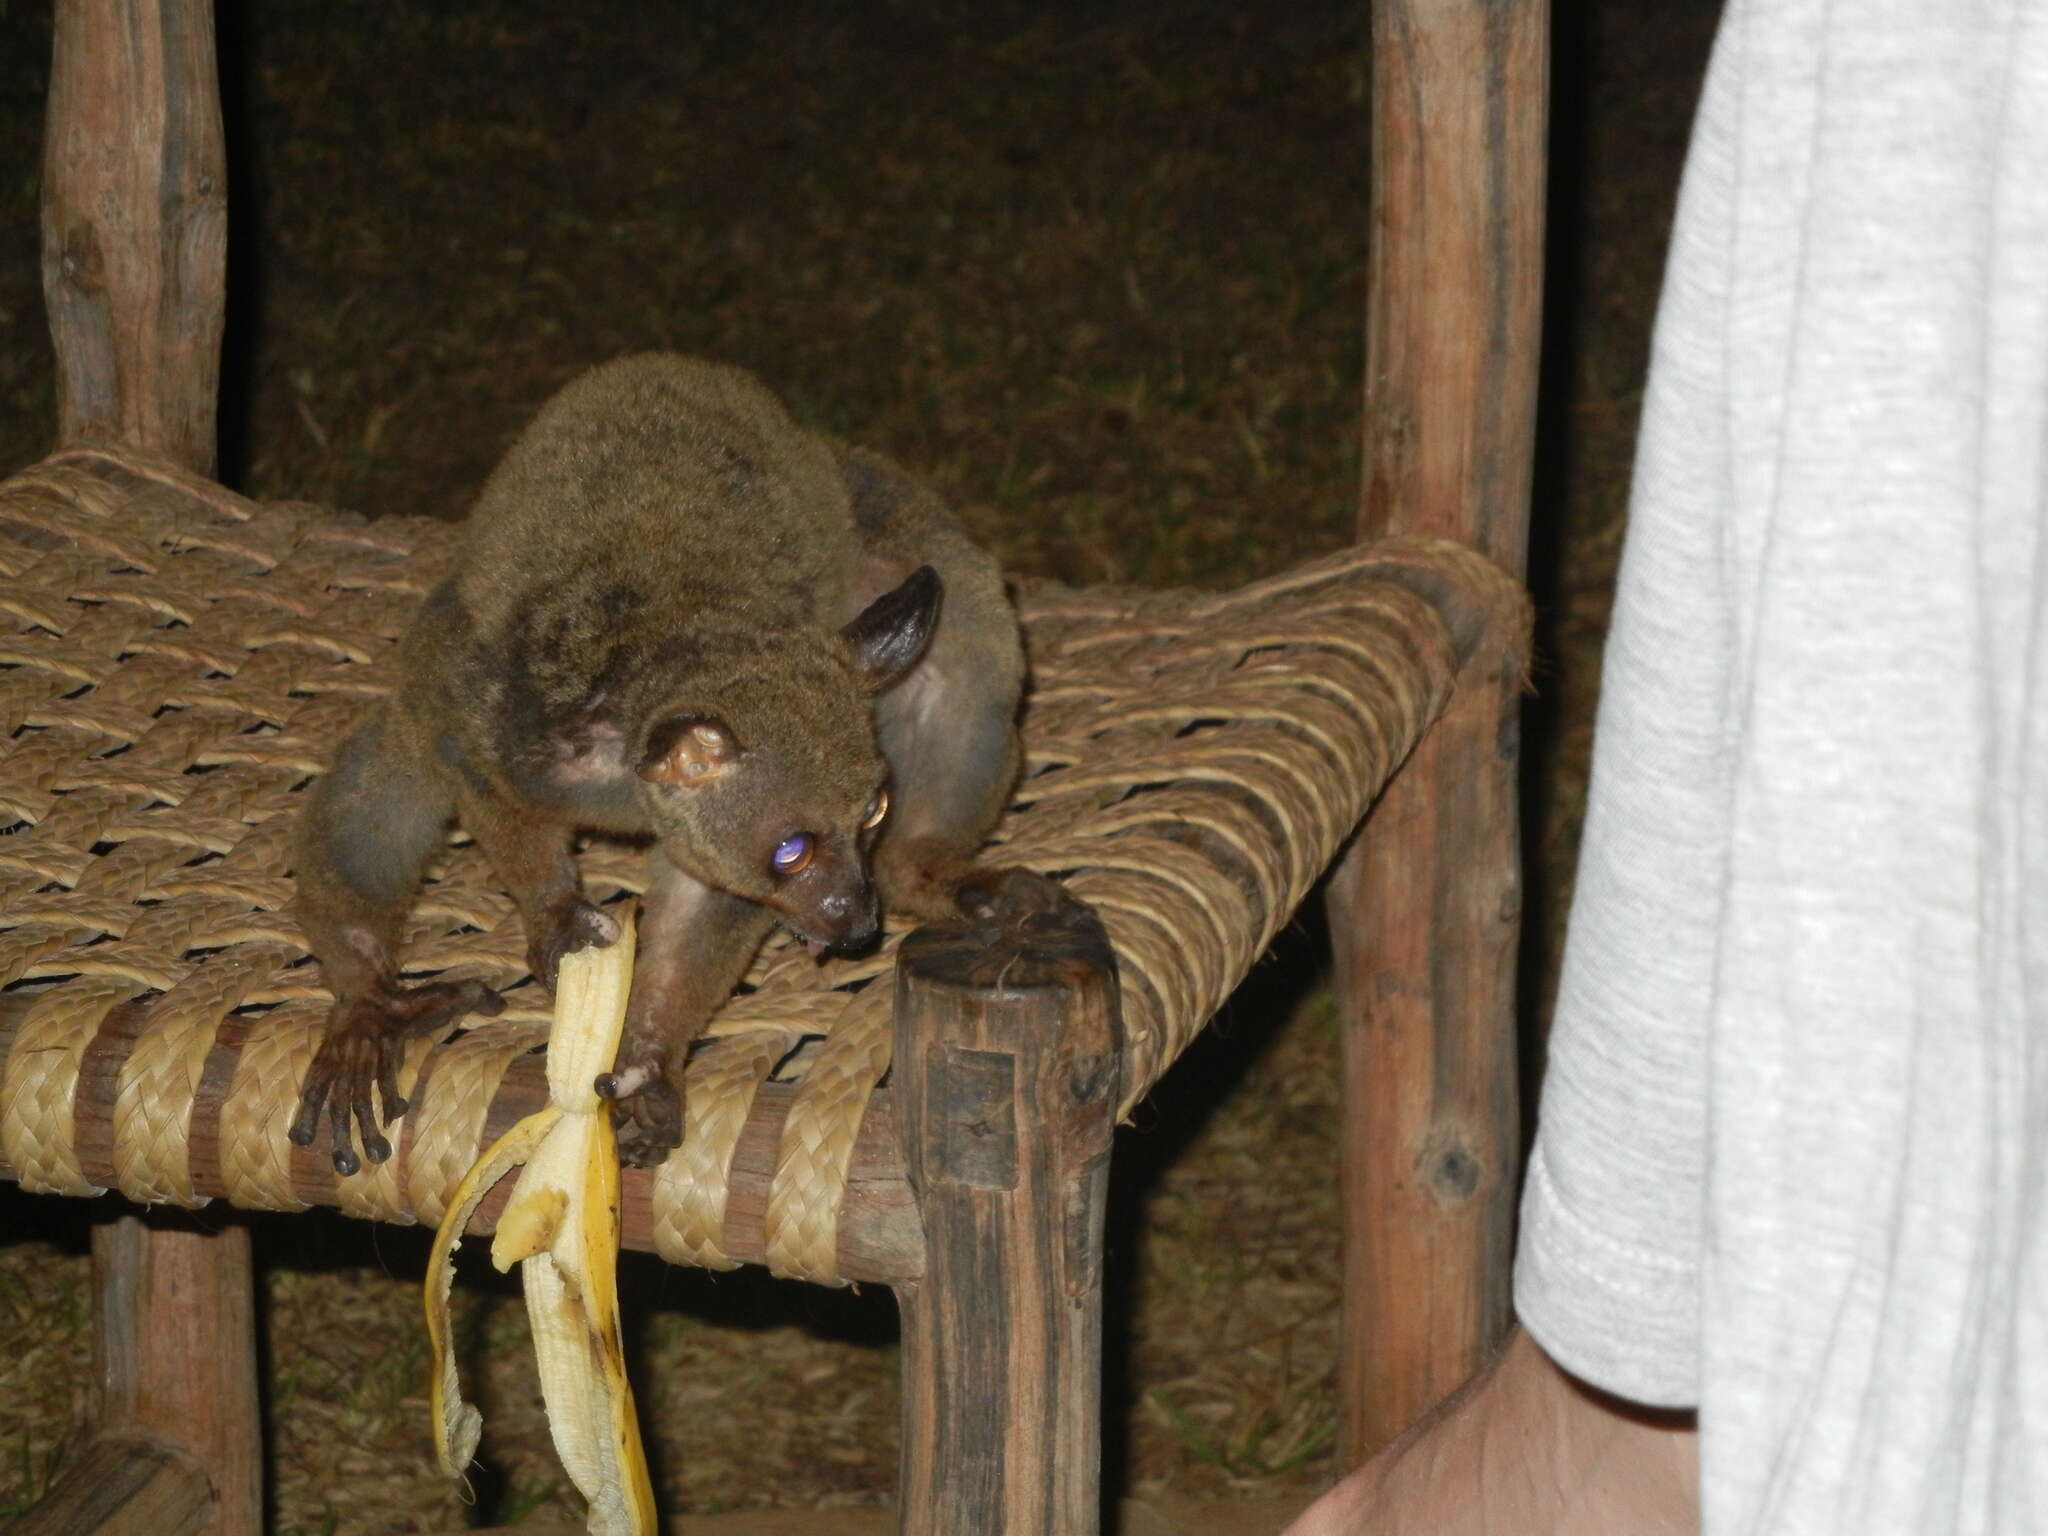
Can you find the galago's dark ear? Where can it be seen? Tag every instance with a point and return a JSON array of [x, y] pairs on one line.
[[688, 750], [893, 631]]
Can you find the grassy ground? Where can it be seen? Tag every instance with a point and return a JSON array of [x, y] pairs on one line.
[[1097, 271]]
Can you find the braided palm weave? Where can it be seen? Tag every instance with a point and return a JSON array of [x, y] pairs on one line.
[[180, 662]]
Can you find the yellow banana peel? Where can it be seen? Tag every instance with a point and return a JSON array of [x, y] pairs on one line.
[[561, 1227]]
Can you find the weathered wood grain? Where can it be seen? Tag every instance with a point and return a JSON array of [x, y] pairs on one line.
[[135, 224], [124, 1487], [1007, 1066], [134, 214], [1425, 912], [176, 1441]]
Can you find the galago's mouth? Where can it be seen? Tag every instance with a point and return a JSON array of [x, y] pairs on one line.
[[818, 949], [857, 943]]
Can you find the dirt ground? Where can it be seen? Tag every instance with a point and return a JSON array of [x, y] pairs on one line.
[[1094, 270]]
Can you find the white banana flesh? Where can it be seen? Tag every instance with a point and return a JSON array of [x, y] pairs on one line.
[[561, 1227]]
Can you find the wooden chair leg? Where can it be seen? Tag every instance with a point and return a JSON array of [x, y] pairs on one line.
[[1425, 912], [1423, 921], [176, 1441], [134, 276], [1006, 1082]]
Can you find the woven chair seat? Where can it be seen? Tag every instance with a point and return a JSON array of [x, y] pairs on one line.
[[182, 661]]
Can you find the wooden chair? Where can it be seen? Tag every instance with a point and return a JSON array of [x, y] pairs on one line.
[[185, 660]]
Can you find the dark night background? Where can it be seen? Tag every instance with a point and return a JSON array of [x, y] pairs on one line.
[[1097, 272]]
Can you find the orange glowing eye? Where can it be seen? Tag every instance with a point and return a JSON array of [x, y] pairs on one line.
[[793, 853], [877, 809]]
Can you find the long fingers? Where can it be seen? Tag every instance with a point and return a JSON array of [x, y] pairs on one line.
[[375, 1147], [357, 1055], [367, 1059], [319, 1079], [359, 1058], [345, 1162]]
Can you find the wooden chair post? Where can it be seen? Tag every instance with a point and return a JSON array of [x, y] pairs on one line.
[[1425, 912], [1007, 1072], [134, 276], [135, 225]]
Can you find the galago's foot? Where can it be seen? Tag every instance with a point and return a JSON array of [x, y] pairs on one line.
[[1011, 897], [918, 877], [360, 1055]]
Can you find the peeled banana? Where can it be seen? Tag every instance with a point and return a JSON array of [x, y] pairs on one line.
[[561, 1227]]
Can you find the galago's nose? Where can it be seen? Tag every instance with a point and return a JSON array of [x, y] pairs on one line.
[[849, 920]]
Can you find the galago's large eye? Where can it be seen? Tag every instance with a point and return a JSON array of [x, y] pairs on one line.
[[792, 853], [877, 809]]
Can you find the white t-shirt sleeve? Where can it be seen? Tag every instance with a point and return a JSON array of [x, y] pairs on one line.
[[1792, 1148], [1607, 1276]]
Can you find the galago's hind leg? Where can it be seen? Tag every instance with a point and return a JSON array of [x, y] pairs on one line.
[[949, 729], [953, 760], [949, 732]]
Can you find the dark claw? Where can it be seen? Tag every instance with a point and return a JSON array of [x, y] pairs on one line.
[[311, 1098], [375, 1147], [395, 1103], [337, 1120]]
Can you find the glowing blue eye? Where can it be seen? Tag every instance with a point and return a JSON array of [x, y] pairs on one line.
[[791, 854]]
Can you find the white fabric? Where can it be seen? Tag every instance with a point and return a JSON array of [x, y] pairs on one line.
[[1790, 1153]]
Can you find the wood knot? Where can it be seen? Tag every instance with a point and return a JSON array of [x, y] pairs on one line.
[[1450, 1169], [79, 259], [1092, 1077]]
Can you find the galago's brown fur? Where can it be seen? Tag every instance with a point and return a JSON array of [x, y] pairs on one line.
[[678, 614]]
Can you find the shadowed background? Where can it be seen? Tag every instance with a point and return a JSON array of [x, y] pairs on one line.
[[1097, 272]]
